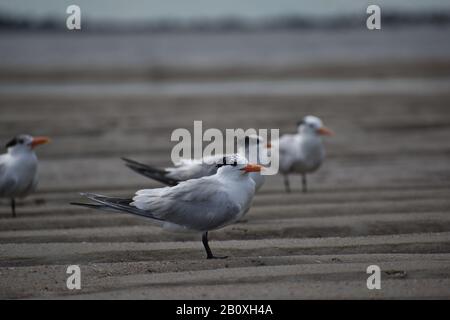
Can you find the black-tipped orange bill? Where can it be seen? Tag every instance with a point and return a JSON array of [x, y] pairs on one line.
[[39, 140], [324, 131], [252, 168]]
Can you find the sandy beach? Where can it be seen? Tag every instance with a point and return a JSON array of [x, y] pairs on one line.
[[381, 198]]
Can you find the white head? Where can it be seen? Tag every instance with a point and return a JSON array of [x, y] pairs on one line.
[[25, 143], [311, 125], [236, 165]]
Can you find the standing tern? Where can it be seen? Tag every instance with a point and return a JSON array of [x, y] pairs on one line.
[[198, 205], [196, 168], [18, 168], [302, 152]]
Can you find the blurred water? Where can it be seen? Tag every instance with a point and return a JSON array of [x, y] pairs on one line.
[[268, 49], [300, 87]]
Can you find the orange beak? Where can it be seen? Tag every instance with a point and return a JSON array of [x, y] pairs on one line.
[[252, 168], [38, 141], [268, 145], [324, 131]]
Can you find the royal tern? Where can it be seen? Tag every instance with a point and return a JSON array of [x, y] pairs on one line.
[[198, 205], [18, 168], [302, 152], [196, 168]]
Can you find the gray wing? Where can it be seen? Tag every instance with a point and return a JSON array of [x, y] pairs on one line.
[[113, 204], [7, 183], [187, 169], [193, 169], [2, 168], [199, 204], [288, 151], [151, 172]]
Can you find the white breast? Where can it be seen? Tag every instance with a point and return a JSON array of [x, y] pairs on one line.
[[18, 175]]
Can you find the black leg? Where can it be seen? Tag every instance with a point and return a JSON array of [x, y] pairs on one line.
[[286, 183], [304, 183], [13, 207], [209, 254]]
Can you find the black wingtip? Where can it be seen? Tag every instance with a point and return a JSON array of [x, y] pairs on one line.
[[150, 172], [114, 204], [88, 205], [130, 161]]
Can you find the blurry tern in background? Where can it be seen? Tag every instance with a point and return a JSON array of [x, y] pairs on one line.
[[196, 168], [198, 205], [302, 152], [18, 168]]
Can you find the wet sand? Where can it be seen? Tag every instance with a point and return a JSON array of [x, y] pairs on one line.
[[382, 196]]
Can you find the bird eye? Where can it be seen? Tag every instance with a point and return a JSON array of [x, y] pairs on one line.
[[20, 141]]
